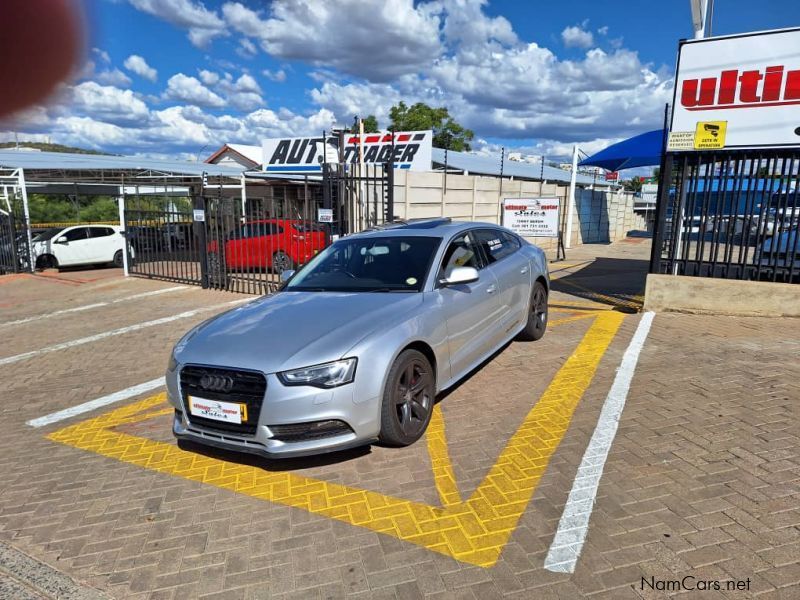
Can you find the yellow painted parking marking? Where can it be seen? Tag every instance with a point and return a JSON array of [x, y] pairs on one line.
[[473, 531], [443, 475], [555, 322]]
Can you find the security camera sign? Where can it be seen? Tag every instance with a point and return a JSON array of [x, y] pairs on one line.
[[532, 217]]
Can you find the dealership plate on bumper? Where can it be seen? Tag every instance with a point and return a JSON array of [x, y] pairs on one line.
[[227, 412]]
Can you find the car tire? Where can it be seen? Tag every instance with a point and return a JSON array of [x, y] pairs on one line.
[[282, 262], [119, 260], [536, 325], [407, 407], [46, 261]]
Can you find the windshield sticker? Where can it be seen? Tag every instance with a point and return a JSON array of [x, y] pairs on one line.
[[411, 281]]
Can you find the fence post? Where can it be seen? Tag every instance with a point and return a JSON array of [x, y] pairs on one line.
[[199, 204], [390, 192], [665, 176], [24, 191], [123, 224]]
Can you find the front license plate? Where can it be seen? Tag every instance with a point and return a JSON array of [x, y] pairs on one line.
[[227, 412]]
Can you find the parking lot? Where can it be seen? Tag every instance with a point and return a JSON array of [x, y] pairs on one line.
[[701, 483]]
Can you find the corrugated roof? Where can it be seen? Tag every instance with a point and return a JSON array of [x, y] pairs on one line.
[[490, 165], [63, 161]]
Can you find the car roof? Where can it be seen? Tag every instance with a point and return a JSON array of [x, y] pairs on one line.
[[442, 227]]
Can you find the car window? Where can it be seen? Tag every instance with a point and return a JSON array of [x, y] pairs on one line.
[[513, 241], [462, 252], [98, 232], [496, 246], [77, 234], [369, 264], [275, 229]]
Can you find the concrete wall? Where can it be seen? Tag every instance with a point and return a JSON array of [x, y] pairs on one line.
[[599, 216], [721, 296]]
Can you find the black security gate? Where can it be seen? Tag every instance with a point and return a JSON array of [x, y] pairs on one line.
[[14, 247], [218, 241], [729, 214], [358, 196], [162, 240]]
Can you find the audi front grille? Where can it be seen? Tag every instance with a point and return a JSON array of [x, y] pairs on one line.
[[224, 385]]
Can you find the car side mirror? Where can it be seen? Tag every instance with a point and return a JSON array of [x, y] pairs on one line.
[[461, 275], [62, 240], [287, 275]]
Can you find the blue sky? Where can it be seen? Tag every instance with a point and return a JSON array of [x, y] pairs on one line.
[[181, 77]]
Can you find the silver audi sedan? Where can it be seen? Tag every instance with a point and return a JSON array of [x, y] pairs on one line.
[[357, 344]]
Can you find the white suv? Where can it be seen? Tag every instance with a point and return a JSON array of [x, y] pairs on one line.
[[79, 245]]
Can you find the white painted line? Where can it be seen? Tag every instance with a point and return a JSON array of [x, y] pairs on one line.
[[122, 330], [574, 524], [99, 402], [91, 306]]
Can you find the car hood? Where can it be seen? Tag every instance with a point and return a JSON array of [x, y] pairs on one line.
[[293, 329]]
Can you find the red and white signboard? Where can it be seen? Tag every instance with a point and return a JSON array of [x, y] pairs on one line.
[[751, 82], [531, 217], [612, 175]]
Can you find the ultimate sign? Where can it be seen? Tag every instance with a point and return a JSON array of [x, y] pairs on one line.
[[747, 86], [405, 149]]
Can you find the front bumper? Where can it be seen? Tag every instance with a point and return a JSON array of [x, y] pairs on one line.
[[284, 406]]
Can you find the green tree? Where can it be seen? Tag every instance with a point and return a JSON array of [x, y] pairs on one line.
[[370, 125], [446, 132], [632, 185]]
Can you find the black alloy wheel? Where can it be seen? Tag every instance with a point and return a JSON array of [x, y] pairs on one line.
[[537, 317], [408, 399]]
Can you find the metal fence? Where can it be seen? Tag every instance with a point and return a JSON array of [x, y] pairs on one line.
[[14, 235], [731, 214], [359, 196]]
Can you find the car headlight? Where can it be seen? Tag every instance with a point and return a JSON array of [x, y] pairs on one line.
[[327, 375]]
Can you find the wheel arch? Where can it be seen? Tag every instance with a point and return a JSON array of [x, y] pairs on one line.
[[427, 350]]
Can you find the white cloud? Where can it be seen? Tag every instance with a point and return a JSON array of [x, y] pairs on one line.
[[102, 54], [372, 55], [577, 37], [136, 64], [113, 77], [246, 49], [603, 30], [107, 103], [189, 89], [203, 24], [375, 39], [209, 77], [278, 76]]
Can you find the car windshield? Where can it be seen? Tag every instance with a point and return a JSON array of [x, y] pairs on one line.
[[368, 264], [47, 234]]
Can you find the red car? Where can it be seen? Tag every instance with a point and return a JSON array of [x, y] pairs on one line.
[[277, 244]]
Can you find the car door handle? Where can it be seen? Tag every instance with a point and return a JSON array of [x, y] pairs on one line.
[[491, 289], [523, 270]]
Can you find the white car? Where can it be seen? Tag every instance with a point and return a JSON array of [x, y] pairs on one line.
[[79, 245]]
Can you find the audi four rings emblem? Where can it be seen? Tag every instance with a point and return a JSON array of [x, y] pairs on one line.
[[216, 383]]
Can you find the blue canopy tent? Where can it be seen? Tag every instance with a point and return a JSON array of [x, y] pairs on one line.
[[643, 150]]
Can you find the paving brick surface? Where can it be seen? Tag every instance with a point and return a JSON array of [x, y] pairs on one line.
[[703, 479]]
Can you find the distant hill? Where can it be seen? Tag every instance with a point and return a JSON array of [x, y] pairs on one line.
[[50, 147]]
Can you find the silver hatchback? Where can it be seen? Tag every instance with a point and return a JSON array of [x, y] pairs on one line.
[[357, 344]]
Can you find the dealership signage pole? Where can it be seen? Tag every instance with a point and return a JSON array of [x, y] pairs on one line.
[[571, 200]]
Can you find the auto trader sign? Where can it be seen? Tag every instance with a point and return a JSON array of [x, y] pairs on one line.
[[531, 217], [740, 91], [407, 149]]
